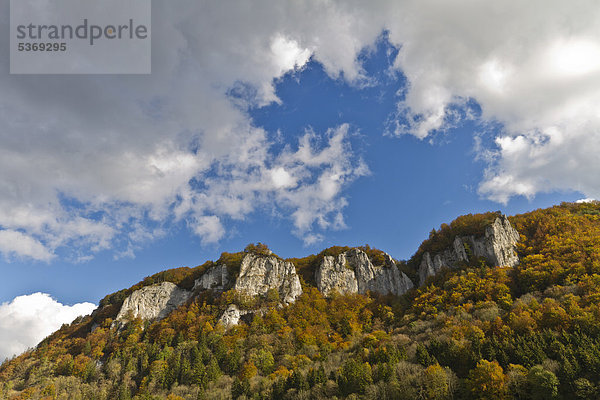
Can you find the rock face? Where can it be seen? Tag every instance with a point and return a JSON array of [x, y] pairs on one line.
[[153, 302], [389, 279], [335, 274], [353, 272], [260, 273], [497, 246], [231, 316], [216, 278], [349, 272]]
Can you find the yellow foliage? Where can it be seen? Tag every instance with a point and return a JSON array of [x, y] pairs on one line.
[[248, 370], [487, 381]]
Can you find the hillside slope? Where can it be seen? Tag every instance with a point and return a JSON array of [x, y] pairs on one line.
[[473, 330]]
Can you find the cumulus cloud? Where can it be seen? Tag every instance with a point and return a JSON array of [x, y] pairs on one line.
[[533, 68], [97, 162], [323, 172], [306, 180], [26, 320], [17, 243], [208, 227], [93, 162], [282, 178]]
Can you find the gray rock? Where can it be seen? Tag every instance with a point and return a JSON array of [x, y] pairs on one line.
[[336, 274], [497, 245], [389, 279], [353, 272], [216, 278], [428, 267], [260, 273], [362, 267], [153, 302], [231, 316]]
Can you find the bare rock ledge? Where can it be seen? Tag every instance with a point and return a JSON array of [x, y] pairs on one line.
[[353, 272], [153, 302], [497, 245]]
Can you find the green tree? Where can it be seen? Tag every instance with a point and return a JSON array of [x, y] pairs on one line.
[[436, 383], [240, 387], [264, 361], [542, 384], [516, 381], [423, 356], [316, 376], [355, 377], [584, 389], [297, 381]]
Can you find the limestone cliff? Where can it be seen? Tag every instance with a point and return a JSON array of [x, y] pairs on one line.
[[231, 316], [259, 273], [353, 272], [336, 274], [153, 302], [497, 245], [350, 272], [216, 278]]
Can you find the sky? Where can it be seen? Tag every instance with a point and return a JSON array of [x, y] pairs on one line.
[[301, 125]]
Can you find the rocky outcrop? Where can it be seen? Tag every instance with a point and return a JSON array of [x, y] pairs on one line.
[[259, 274], [350, 272], [231, 316], [448, 258], [153, 302], [388, 279], [336, 274], [497, 246], [353, 272], [216, 278]]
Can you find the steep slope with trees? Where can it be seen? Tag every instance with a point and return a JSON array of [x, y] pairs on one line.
[[476, 331]]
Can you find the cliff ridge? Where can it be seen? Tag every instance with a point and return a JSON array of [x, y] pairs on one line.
[[497, 245]]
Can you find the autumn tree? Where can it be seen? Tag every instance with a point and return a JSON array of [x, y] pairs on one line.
[[487, 381]]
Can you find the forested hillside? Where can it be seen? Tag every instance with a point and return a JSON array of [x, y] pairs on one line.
[[473, 332]]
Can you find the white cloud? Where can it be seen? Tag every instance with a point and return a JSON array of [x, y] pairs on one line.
[[325, 171], [288, 54], [305, 181], [574, 57], [534, 68], [21, 245], [208, 227], [281, 178], [558, 157], [89, 163], [26, 320]]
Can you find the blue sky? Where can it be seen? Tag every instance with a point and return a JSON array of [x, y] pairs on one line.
[[413, 186], [275, 124]]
